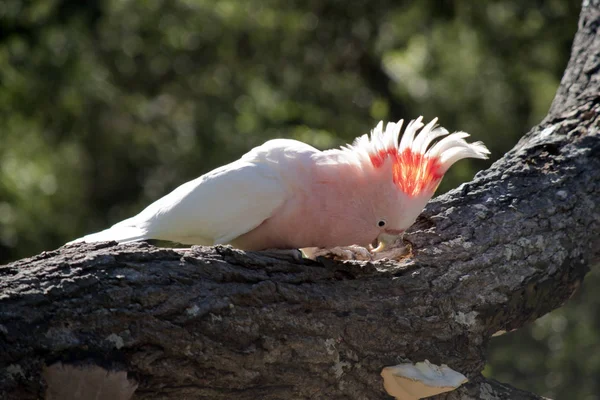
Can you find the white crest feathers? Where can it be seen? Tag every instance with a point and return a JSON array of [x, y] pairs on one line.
[[418, 138]]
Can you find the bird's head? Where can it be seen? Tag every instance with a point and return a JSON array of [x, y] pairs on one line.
[[407, 172]]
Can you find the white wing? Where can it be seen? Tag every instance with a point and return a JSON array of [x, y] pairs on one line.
[[222, 204]]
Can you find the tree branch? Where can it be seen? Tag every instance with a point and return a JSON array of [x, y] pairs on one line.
[[214, 322]]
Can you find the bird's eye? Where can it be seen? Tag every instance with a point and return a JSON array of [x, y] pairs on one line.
[[381, 223]]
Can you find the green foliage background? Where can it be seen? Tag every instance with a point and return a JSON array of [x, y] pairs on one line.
[[107, 105]]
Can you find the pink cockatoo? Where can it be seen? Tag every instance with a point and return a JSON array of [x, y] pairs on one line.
[[286, 194]]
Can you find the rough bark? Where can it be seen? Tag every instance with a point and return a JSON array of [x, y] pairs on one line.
[[217, 323]]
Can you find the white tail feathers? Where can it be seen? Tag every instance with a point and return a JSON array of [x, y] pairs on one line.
[[118, 233]]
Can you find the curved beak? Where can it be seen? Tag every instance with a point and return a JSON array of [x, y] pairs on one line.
[[386, 239]]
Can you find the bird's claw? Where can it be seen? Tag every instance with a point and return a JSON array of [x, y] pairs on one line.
[[359, 253], [294, 254], [340, 253]]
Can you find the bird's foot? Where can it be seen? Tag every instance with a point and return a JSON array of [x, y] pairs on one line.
[[354, 252], [294, 254], [339, 253]]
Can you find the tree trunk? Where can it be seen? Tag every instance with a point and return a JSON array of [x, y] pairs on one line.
[[218, 323]]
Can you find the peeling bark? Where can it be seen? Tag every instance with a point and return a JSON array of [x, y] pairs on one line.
[[218, 323]]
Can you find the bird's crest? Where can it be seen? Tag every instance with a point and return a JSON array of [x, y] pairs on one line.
[[416, 166]]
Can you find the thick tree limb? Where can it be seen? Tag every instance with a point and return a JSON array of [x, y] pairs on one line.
[[217, 323]]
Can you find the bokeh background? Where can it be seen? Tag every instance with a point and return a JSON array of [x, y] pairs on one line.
[[107, 105]]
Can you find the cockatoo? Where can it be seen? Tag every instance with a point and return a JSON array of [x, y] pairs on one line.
[[286, 194]]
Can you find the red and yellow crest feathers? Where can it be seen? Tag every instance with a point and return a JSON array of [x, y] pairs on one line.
[[417, 167], [413, 173]]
